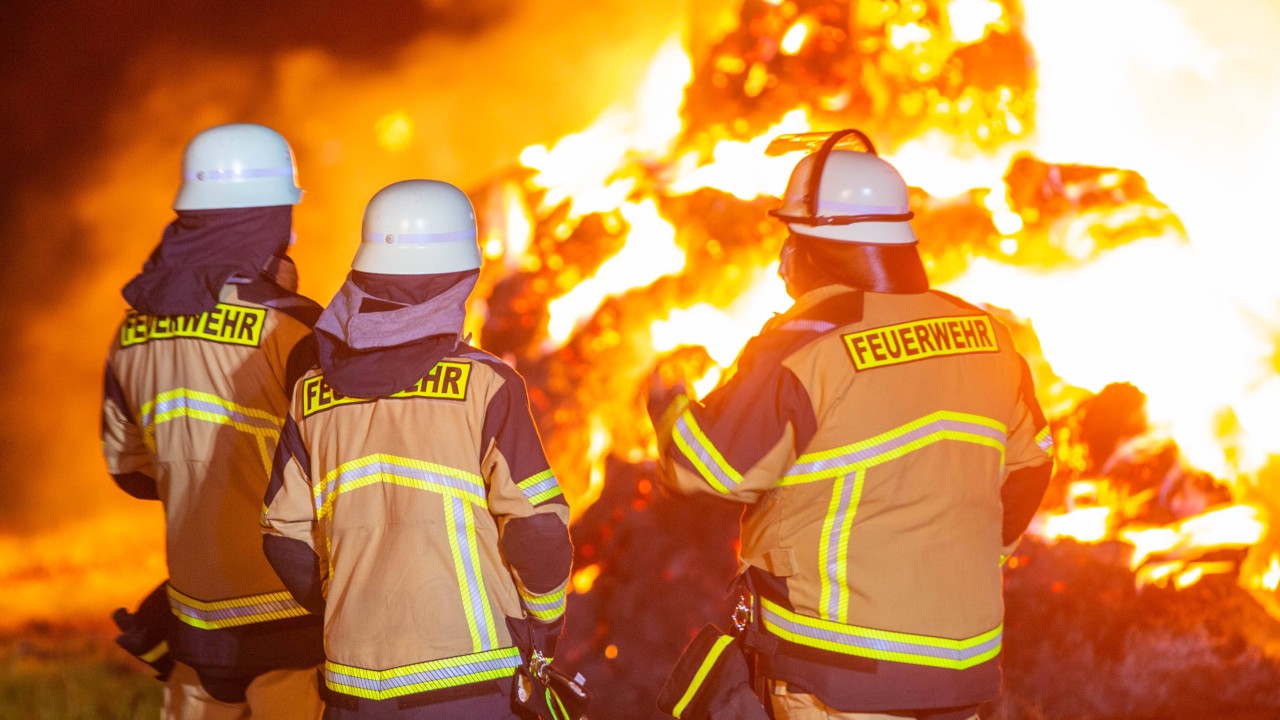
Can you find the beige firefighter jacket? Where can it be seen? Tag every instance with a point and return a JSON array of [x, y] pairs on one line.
[[892, 451], [436, 522], [192, 411]]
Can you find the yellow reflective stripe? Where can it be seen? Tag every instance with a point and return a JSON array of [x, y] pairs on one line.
[[833, 549], [535, 479], [479, 592], [550, 698], [850, 463], [198, 405], [544, 607], [247, 610], [422, 677], [719, 474], [466, 568], [881, 644], [1044, 440], [155, 653], [667, 423], [264, 452], [540, 487], [708, 662], [406, 472], [900, 441]]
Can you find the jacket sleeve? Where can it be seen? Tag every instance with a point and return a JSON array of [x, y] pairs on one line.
[[527, 503], [289, 525], [741, 440], [1028, 462], [128, 460]]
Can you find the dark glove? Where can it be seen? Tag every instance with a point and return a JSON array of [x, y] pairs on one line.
[[145, 632]]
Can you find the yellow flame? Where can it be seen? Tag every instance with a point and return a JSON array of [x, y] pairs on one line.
[[511, 227], [906, 34], [1270, 579], [649, 253], [1006, 220], [584, 579], [972, 20], [1087, 525], [394, 131], [741, 168], [1182, 575], [1158, 574], [707, 382], [581, 168], [943, 166], [1195, 354], [723, 332], [1234, 526], [793, 40]]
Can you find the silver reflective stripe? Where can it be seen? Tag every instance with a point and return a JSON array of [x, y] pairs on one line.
[[238, 173], [421, 677], [381, 467], [233, 612], [859, 209], [534, 490], [474, 594], [835, 572], [190, 403], [1045, 443], [866, 642], [808, 325], [419, 238], [889, 445], [708, 458]]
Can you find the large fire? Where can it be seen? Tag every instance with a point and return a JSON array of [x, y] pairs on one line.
[[643, 240], [648, 236]]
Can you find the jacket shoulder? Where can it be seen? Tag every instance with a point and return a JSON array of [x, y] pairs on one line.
[[961, 303], [494, 363], [791, 332], [272, 296]]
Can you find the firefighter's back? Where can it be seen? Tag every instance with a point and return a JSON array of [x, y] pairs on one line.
[[415, 575]]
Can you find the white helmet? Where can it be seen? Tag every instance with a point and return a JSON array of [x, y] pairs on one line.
[[418, 227], [847, 196], [237, 166]]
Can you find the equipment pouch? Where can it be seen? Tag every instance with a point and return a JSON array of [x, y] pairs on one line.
[[710, 681], [545, 692]]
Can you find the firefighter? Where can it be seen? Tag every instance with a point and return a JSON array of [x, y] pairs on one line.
[[195, 394], [887, 442], [411, 502]]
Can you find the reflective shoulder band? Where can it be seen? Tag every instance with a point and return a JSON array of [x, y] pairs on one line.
[[420, 238], [238, 173]]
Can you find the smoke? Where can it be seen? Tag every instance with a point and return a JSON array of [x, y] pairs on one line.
[[449, 89]]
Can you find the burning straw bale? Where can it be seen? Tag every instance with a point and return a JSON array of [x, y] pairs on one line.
[[893, 68], [1083, 642]]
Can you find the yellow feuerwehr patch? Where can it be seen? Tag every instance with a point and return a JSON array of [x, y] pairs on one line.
[[920, 340], [446, 380], [230, 324]]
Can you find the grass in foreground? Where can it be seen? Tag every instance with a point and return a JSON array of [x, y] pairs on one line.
[[66, 673]]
